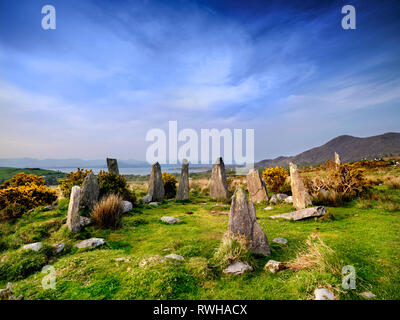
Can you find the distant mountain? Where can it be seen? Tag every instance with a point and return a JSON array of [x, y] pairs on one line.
[[66, 163], [349, 149]]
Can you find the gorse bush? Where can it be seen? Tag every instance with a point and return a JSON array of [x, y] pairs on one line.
[[22, 193], [72, 179], [169, 181], [110, 183], [275, 178], [107, 213]]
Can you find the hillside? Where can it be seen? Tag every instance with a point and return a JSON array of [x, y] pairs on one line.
[[348, 147]]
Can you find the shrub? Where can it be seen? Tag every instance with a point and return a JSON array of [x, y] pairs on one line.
[[169, 181], [233, 248], [22, 193], [72, 179], [275, 178], [110, 183], [107, 213]]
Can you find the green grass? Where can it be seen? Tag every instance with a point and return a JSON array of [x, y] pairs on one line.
[[364, 236], [51, 177]]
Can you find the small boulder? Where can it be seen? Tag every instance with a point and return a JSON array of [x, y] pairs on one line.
[[302, 214], [280, 240], [175, 257], [170, 220], [289, 199], [281, 196], [274, 266], [59, 247], [33, 246], [273, 199], [269, 208], [367, 295], [84, 221], [154, 204], [90, 243], [146, 199], [323, 294], [127, 206], [238, 268]]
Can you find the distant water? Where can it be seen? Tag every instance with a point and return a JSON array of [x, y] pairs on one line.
[[138, 170]]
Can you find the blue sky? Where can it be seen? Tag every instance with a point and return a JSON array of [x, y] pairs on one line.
[[112, 70]]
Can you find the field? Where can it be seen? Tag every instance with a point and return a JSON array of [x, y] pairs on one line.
[[51, 177], [363, 233]]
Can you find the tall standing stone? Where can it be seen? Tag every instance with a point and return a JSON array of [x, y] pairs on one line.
[[112, 166], [73, 217], [183, 187], [256, 187], [218, 186], [243, 220], [301, 198], [337, 159], [90, 191], [156, 186]]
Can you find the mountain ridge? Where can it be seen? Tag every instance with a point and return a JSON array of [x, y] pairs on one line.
[[348, 147]]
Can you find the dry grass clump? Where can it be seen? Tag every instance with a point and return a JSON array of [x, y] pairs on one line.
[[107, 213], [316, 255], [393, 182], [234, 247]]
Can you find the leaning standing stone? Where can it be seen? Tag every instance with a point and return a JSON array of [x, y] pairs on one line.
[[218, 186], [112, 166], [243, 220], [156, 186], [301, 198], [90, 191], [183, 187], [73, 217], [256, 187], [337, 159]]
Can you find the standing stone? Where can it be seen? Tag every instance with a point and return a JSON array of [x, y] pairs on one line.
[[256, 187], [337, 159], [112, 166], [90, 191], [243, 220], [156, 186], [73, 217], [218, 186], [301, 198], [183, 187]]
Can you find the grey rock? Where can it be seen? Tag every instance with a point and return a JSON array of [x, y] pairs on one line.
[[273, 199], [268, 208], [243, 220], [256, 187], [301, 198], [154, 204], [156, 186], [183, 186], [90, 243], [238, 268], [367, 295], [289, 199], [59, 247], [281, 196], [112, 166], [170, 220], [280, 240], [323, 294], [33, 246], [175, 257], [127, 206], [218, 186], [302, 214], [90, 192], [274, 266], [73, 218], [337, 159], [84, 221]]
